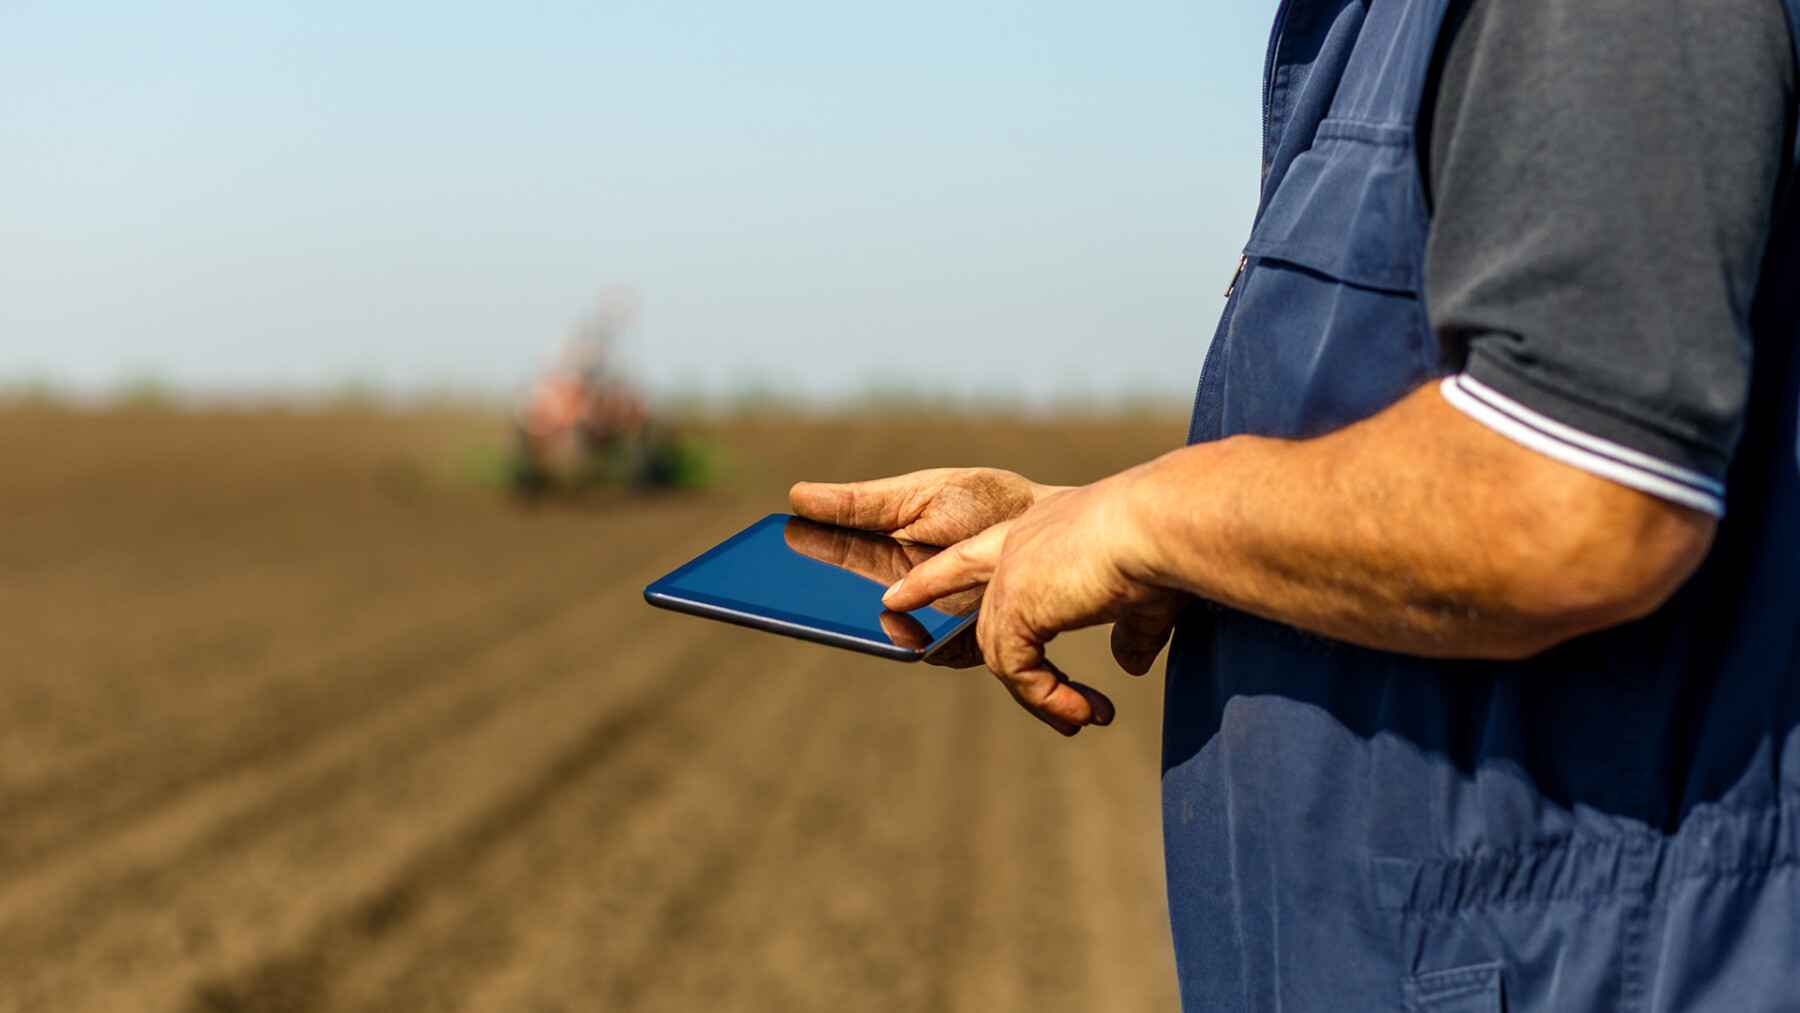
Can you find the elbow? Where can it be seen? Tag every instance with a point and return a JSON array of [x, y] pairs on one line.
[[1587, 570]]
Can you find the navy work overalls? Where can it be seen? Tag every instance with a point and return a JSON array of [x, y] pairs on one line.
[[1611, 825]]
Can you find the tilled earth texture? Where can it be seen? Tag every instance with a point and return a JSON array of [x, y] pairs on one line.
[[296, 716]]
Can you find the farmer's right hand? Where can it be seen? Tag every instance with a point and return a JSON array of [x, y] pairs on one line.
[[941, 506]]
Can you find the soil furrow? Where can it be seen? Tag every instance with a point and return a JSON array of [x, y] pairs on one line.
[[303, 979], [358, 683]]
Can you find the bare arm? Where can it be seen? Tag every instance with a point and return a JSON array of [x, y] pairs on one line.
[[1417, 530]]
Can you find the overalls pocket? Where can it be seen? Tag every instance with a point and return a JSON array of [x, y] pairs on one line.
[[1349, 208], [1327, 328], [1472, 989]]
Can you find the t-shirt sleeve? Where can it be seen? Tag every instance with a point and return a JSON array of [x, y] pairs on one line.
[[1603, 175]]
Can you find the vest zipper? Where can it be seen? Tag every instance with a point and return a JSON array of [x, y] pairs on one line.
[[1235, 275]]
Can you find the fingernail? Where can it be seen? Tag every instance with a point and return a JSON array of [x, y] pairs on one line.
[[889, 594]]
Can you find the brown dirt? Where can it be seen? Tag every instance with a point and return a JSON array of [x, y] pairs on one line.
[[290, 720]]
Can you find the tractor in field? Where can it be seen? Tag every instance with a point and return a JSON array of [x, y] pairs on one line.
[[582, 425]]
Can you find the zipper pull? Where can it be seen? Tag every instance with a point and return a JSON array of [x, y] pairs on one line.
[[1235, 275]]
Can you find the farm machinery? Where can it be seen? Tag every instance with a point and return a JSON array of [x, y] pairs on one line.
[[582, 425]]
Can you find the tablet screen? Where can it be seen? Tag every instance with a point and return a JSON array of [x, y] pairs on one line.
[[819, 576]]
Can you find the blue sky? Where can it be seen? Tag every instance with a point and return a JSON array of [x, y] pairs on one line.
[[1028, 200]]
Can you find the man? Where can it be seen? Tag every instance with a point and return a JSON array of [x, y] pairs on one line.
[[1483, 563]]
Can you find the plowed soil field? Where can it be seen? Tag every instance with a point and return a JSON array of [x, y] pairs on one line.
[[295, 718]]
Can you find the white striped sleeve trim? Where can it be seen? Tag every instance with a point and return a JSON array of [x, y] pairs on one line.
[[1590, 453]]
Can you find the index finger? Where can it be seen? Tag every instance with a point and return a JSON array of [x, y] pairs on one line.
[[962, 567]]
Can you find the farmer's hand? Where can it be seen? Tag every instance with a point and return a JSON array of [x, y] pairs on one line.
[[941, 506], [1075, 559]]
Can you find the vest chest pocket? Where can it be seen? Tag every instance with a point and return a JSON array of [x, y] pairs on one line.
[[1472, 989], [1349, 207]]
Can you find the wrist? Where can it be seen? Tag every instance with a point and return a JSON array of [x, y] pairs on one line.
[[1142, 523], [1176, 515]]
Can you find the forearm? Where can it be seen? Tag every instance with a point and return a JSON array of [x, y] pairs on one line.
[[1416, 531]]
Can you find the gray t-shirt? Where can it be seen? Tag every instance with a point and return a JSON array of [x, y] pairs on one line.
[[1603, 174]]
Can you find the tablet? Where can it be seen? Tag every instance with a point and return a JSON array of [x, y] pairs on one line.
[[815, 581]]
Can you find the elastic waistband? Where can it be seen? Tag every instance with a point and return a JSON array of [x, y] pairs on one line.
[[1631, 866]]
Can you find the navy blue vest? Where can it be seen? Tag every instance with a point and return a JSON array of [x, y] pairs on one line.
[[1613, 824]]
